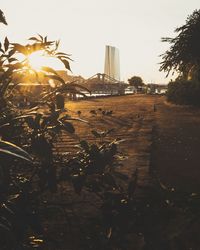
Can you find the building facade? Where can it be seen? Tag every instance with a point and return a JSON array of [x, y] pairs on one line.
[[112, 66]]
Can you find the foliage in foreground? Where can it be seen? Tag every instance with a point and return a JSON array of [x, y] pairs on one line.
[[2, 18], [14, 65], [184, 92], [28, 179], [184, 53]]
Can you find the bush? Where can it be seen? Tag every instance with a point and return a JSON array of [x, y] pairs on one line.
[[185, 92]]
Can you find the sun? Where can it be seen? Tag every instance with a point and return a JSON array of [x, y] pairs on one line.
[[37, 60]]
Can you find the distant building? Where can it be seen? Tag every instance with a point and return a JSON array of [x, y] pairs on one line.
[[153, 88], [112, 67]]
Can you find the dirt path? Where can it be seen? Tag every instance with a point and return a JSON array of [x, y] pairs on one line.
[[176, 155], [140, 120], [132, 120]]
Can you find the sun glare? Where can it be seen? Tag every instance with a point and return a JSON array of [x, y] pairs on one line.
[[37, 60]]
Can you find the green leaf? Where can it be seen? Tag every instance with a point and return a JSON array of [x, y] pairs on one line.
[[6, 44], [14, 150]]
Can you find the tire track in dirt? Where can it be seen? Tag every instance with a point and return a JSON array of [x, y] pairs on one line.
[[132, 120]]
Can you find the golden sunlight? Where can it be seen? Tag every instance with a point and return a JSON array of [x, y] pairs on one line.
[[37, 60]]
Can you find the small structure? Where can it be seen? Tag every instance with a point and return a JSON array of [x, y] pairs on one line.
[[152, 88]]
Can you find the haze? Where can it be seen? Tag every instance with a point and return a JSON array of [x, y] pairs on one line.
[[85, 27]]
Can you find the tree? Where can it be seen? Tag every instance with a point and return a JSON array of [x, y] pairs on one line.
[[184, 54], [2, 18], [136, 81]]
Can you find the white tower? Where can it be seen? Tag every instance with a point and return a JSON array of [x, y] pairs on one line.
[[112, 67]]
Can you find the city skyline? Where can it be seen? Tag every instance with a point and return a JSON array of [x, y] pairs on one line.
[[86, 27]]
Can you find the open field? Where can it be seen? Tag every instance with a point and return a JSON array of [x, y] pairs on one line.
[[156, 136], [172, 130], [176, 135], [132, 120]]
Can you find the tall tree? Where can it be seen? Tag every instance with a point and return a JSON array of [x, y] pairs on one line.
[[184, 53], [136, 81]]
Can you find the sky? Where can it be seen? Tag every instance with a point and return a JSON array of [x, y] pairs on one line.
[[84, 27]]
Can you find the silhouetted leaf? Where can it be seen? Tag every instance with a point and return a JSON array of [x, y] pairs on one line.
[[49, 70], [20, 48], [62, 54], [121, 176], [66, 63], [67, 117], [15, 66], [11, 52], [41, 37], [14, 150], [109, 180], [67, 126], [56, 77], [72, 84], [96, 134], [2, 18], [64, 57], [6, 44], [34, 39], [78, 182], [12, 60], [84, 144]]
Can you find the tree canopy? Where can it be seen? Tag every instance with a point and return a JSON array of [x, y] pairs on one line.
[[184, 53], [136, 81]]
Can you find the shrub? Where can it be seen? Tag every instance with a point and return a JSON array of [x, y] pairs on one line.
[[186, 92]]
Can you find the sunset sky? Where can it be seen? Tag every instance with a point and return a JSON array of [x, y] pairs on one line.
[[86, 26]]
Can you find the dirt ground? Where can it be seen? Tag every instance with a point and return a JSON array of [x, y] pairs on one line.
[[156, 134], [176, 154], [132, 120]]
